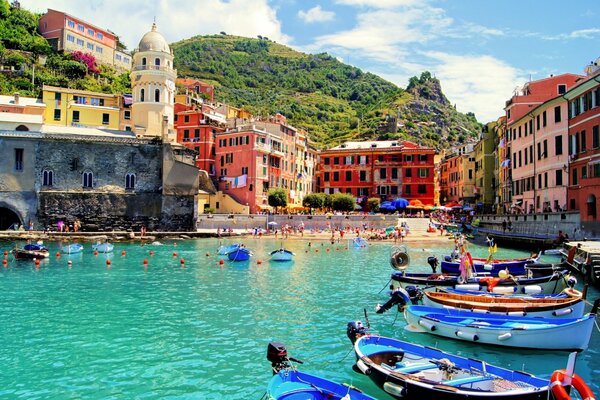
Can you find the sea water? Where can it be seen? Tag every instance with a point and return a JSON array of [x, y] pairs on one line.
[[172, 322]]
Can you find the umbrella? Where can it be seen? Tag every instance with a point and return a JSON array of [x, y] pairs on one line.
[[467, 208], [272, 223], [400, 203], [416, 202], [428, 207]]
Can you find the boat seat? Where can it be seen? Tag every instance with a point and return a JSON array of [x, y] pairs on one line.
[[410, 369], [468, 379]]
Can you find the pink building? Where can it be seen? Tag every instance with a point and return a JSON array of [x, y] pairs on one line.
[[537, 126]]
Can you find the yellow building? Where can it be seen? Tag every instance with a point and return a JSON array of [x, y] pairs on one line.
[[70, 107]]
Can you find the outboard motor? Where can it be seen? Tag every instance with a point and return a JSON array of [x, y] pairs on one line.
[[415, 294], [571, 282], [397, 296], [277, 354], [433, 263], [355, 330]]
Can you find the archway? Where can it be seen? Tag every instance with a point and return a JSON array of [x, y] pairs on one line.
[[8, 218]]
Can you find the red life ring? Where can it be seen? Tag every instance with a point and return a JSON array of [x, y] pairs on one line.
[[559, 392]]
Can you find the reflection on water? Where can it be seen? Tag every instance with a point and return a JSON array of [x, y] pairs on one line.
[[198, 329]]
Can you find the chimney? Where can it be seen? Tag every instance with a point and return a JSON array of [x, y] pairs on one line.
[[16, 98]]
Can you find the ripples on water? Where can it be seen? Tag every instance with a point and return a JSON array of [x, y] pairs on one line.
[[200, 330]]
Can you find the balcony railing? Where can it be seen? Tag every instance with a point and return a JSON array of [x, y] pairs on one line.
[[154, 68]]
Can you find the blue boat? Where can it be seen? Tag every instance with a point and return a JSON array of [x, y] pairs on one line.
[[72, 248], [360, 242], [407, 370], [239, 254], [224, 249], [103, 247], [35, 247], [514, 267], [289, 384], [281, 255]]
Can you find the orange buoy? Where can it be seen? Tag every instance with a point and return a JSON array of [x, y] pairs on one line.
[[151, 253], [174, 254], [108, 262], [317, 250], [58, 254], [306, 251], [259, 262], [36, 261], [558, 390], [96, 252], [221, 261], [123, 253], [328, 249], [145, 261], [207, 254], [5, 262], [5, 252], [182, 261]]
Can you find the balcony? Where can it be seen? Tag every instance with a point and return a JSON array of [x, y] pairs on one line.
[[262, 147], [154, 68]]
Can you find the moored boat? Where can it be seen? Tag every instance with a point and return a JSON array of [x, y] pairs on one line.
[[410, 371], [224, 249], [239, 254], [103, 247], [360, 242], [572, 334], [281, 255], [289, 383], [494, 266], [72, 248], [23, 254]]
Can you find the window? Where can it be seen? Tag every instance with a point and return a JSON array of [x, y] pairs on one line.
[[544, 119], [70, 24], [142, 94], [336, 160], [394, 173], [126, 60], [157, 95], [90, 46], [157, 62], [408, 158], [99, 35], [349, 160], [57, 115], [407, 189], [47, 177], [545, 148], [562, 89], [105, 119], [558, 148], [144, 61], [130, 181], [364, 160], [382, 173], [87, 179], [336, 176], [326, 177], [380, 158], [326, 161], [80, 28], [186, 134], [595, 137], [71, 38], [196, 133], [424, 172], [583, 141], [80, 42], [362, 176], [75, 116], [348, 176], [408, 173], [99, 49], [57, 96], [584, 172], [244, 170], [557, 114], [19, 159], [186, 118], [574, 180], [127, 114], [421, 189]]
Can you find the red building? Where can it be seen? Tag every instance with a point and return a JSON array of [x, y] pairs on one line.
[[384, 169], [200, 88], [197, 130], [584, 148]]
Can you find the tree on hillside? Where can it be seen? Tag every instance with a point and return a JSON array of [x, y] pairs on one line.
[[278, 198]]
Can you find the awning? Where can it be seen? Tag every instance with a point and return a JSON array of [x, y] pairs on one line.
[[215, 117]]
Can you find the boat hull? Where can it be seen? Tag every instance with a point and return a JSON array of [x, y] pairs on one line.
[[424, 380], [21, 254], [103, 247], [282, 255], [240, 254], [568, 334], [515, 267], [223, 250], [292, 384], [72, 248]]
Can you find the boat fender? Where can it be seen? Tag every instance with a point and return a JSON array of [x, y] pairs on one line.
[[560, 313], [474, 287], [363, 367], [488, 267], [461, 280], [395, 390], [504, 289], [559, 392], [467, 335], [532, 289], [505, 336], [427, 324], [517, 313]]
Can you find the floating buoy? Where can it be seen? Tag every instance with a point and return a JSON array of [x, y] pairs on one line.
[[174, 254], [5, 262], [96, 252], [123, 253], [182, 261], [151, 253], [259, 262], [145, 261], [207, 254], [328, 249], [5, 252], [70, 262], [58, 254], [317, 250], [221, 262], [306, 251], [36, 261], [108, 262]]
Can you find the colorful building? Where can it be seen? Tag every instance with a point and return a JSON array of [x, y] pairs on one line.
[[485, 157], [537, 133], [584, 147], [197, 88], [65, 32], [70, 107], [384, 169]]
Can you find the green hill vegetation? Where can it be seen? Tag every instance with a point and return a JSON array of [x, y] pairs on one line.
[[333, 101]]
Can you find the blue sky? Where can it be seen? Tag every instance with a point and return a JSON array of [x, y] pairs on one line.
[[481, 50]]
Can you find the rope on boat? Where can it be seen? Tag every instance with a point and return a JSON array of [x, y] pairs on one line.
[[386, 286]]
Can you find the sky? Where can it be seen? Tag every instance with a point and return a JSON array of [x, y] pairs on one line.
[[480, 50]]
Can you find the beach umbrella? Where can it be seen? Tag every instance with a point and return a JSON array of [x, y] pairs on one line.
[[389, 229], [416, 202], [272, 223], [429, 207], [400, 203], [467, 208]]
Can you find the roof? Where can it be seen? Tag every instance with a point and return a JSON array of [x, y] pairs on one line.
[[86, 131], [191, 82], [154, 41], [75, 91], [23, 101], [21, 118], [378, 144], [106, 32]]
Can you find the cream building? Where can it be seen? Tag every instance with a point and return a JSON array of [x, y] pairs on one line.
[[153, 88]]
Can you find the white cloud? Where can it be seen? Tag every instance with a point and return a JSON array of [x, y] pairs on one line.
[[379, 3], [176, 19], [316, 14]]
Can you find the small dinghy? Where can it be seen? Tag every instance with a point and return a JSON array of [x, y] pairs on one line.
[[72, 248], [103, 247], [571, 334], [359, 242], [281, 255], [224, 249], [31, 251], [407, 370], [240, 253], [288, 383]]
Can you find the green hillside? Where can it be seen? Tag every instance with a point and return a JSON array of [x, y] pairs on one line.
[[333, 101]]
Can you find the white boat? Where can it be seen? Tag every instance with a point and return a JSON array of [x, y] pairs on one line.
[[103, 247], [281, 255], [571, 334], [72, 248], [360, 242], [223, 250]]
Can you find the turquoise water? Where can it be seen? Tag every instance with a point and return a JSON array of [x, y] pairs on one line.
[[200, 330]]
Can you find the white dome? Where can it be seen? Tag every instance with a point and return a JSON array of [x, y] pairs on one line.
[[154, 41]]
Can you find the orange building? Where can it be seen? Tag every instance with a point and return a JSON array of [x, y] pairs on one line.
[[194, 86], [65, 32], [384, 169]]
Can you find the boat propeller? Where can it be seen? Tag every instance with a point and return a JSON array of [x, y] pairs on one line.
[[402, 297], [277, 354]]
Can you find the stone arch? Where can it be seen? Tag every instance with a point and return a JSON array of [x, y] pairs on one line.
[[22, 128], [8, 216]]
